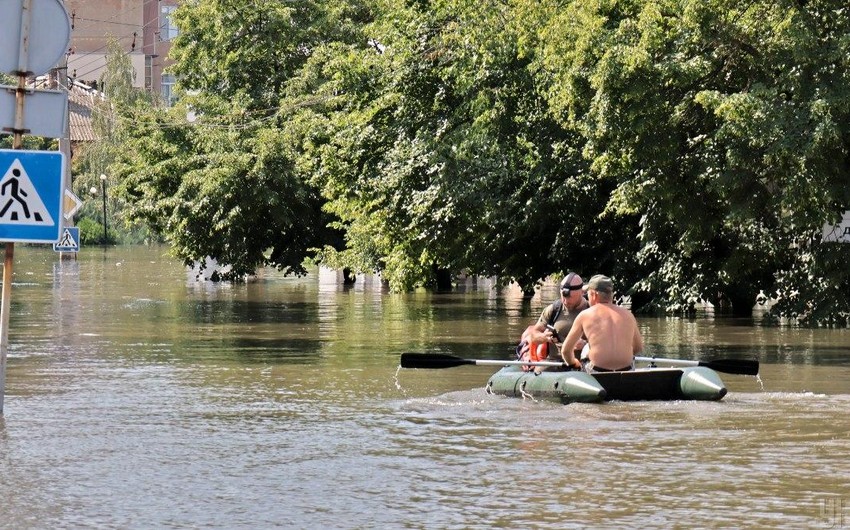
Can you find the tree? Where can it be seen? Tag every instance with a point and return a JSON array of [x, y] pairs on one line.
[[438, 152], [112, 130], [720, 123], [692, 150], [226, 185]]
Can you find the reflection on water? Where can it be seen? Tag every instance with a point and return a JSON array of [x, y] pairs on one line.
[[138, 399]]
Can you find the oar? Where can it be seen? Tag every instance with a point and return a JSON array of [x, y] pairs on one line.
[[729, 366], [440, 360]]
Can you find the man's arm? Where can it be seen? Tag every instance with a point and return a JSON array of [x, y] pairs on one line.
[[573, 336], [538, 332], [637, 340]]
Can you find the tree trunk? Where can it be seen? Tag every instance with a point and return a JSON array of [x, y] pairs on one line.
[[443, 278], [742, 301]]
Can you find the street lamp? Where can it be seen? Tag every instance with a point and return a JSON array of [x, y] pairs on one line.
[[103, 192]]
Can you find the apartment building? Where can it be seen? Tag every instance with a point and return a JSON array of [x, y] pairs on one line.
[[143, 29]]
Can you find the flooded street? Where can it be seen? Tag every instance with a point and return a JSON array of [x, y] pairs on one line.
[[138, 398]]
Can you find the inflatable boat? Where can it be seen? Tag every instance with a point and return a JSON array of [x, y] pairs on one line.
[[685, 379], [641, 384]]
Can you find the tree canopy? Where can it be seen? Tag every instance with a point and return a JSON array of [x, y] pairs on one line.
[[690, 149]]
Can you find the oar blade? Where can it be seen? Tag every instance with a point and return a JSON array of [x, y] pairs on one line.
[[733, 366], [432, 360]]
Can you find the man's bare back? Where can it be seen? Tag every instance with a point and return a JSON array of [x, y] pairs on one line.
[[611, 331]]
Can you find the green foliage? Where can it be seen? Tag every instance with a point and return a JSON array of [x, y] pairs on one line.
[[688, 148], [112, 128], [813, 288], [30, 143], [226, 185], [718, 121], [241, 49], [91, 232], [436, 152]]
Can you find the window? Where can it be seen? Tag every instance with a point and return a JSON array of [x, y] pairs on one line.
[[148, 72], [167, 89], [167, 29]]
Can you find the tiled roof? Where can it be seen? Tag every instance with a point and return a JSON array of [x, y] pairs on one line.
[[80, 105]]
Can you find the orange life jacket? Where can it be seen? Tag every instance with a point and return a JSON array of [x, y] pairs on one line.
[[536, 351]]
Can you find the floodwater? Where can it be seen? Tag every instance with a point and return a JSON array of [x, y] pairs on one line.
[[138, 398]]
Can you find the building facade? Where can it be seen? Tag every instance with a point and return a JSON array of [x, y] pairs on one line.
[[143, 30]]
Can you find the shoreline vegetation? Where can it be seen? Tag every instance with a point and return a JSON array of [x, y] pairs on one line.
[[693, 150]]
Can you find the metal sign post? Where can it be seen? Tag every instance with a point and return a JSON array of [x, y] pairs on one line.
[[45, 24], [17, 143]]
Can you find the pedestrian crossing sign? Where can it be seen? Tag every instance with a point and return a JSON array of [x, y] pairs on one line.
[[69, 241], [31, 184]]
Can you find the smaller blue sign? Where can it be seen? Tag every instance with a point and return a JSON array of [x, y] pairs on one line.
[[69, 241]]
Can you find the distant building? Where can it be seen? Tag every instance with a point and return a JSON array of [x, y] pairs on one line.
[[81, 102], [839, 233], [144, 30]]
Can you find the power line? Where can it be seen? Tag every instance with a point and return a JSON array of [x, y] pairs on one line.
[[119, 38], [108, 22], [253, 122]]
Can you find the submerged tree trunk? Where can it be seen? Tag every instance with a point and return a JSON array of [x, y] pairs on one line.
[[742, 301], [443, 278]]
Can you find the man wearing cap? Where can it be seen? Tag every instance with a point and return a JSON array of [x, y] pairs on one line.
[[611, 331], [558, 315]]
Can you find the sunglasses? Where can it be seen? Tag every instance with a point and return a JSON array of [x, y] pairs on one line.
[[571, 288]]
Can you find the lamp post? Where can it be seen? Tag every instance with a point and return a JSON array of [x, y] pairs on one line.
[[103, 193], [93, 191]]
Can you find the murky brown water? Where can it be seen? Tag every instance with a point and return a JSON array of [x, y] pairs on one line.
[[138, 399]]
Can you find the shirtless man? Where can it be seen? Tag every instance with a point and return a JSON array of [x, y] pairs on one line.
[[611, 331]]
